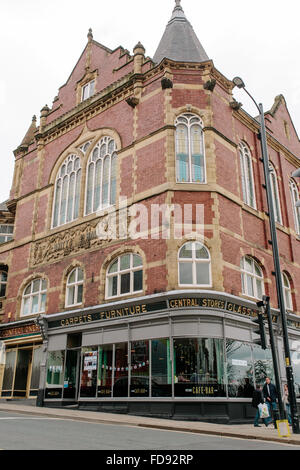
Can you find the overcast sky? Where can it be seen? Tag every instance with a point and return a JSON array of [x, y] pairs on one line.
[[41, 41]]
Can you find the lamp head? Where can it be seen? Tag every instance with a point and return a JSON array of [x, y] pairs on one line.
[[238, 82]]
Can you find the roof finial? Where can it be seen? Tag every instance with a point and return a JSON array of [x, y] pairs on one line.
[[178, 3], [90, 34]]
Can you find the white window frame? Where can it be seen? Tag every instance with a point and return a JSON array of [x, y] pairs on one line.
[[275, 193], [287, 291], [106, 140], [255, 277], [75, 285], [42, 291], [247, 179], [3, 282], [8, 236], [194, 261], [119, 273], [90, 87], [76, 195], [296, 210], [187, 120]]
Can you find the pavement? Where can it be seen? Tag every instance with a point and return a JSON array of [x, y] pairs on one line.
[[241, 431]]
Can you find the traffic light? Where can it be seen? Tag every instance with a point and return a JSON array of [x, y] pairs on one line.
[[262, 340]]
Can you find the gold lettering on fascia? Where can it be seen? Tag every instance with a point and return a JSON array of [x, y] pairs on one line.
[[212, 303]]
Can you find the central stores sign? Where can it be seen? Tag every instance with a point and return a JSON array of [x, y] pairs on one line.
[[145, 308]]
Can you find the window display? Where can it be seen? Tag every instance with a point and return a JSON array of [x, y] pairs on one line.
[[239, 369], [161, 365], [55, 367], [88, 382], [199, 367], [139, 379], [120, 388], [105, 370]]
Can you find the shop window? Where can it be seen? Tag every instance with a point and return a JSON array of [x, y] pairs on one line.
[[296, 210], [74, 288], [34, 297], [199, 367], [101, 179], [105, 370], [139, 377], [55, 374], [263, 364], [194, 265], [67, 192], [252, 278], [3, 283], [88, 382], [295, 358], [120, 388], [9, 373], [190, 157], [287, 291], [247, 175], [6, 232], [37, 355], [275, 194], [239, 369], [88, 90], [125, 276], [161, 368]]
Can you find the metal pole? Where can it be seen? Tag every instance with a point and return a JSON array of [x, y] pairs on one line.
[[274, 356], [280, 295]]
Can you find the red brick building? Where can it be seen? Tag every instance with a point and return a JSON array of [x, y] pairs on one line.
[[146, 322]]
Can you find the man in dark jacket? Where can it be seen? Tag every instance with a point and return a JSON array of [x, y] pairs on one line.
[[270, 395], [257, 399]]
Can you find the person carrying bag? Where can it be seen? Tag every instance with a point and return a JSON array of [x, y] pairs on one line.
[[262, 411]]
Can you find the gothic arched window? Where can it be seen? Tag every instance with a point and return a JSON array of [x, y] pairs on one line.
[[296, 210], [67, 191], [275, 194], [190, 158], [247, 175], [101, 176]]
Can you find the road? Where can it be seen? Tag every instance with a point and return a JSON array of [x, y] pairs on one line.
[[23, 432]]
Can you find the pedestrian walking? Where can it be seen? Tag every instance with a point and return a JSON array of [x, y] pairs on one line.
[[270, 395], [258, 399], [286, 401]]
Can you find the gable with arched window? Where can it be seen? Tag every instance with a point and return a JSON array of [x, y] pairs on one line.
[[34, 297], [190, 155], [101, 178], [194, 265], [124, 276], [296, 210], [247, 175], [67, 191], [275, 193], [252, 278]]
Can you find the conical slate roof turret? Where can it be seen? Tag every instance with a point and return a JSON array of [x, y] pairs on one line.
[[179, 41]]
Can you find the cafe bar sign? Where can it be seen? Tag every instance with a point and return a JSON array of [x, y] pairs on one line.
[[144, 308]]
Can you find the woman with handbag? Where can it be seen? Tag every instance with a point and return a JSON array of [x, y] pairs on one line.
[[286, 401], [258, 400]]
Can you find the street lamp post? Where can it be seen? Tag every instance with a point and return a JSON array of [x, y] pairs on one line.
[[274, 243]]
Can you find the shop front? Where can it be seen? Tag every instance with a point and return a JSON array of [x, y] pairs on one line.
[[184, 355], [21, 352]]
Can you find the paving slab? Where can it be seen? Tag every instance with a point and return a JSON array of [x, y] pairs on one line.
[[241, 431]]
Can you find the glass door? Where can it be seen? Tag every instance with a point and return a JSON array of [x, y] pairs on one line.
[[24, 359], [71, 374]]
